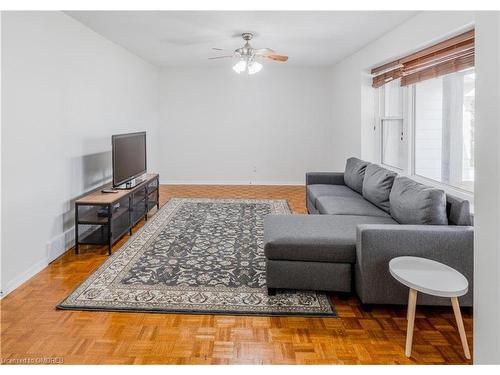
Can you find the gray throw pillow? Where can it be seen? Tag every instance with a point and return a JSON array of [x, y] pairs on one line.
[[354, 173], [414, 203], [458, 211], [377, 185]]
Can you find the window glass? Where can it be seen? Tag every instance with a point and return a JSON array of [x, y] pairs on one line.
[[391, 122], [392, 143], [393, 99], [444, 129]]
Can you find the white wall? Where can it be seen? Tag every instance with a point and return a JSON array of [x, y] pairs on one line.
[[269, 128], [65, 90], [487, 188]]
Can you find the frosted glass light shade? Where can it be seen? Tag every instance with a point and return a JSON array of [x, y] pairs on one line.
[[240, 66], [255, 67]]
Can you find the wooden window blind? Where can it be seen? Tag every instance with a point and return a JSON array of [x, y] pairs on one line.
[[449, 56]]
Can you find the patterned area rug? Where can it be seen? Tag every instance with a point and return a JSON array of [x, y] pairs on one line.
[[202, 256]]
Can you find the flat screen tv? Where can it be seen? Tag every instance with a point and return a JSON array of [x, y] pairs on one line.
[[129, 157]]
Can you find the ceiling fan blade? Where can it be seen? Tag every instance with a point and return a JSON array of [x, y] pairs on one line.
[[280, 58], [264, 51], [222, 49], [220, 57]]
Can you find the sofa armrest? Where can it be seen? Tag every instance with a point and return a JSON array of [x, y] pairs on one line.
[[327, 178], [377, 244]]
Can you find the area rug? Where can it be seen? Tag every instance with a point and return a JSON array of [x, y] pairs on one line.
[[201, 256]]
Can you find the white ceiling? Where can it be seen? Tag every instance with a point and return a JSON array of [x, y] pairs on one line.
[[174, 38]]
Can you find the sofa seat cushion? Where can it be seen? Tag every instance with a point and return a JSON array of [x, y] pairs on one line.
[[315, 238], [348, 206], [316, 191]]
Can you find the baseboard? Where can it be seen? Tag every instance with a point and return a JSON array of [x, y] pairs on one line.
[[55, 248], [58, 245], [243, 183], [22, 278]]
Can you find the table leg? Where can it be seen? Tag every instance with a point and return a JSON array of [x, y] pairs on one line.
[[110, 235], [412, 304], [76, 230], [460, 324]]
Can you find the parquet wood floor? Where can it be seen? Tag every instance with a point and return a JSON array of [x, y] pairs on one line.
[[33, 328]]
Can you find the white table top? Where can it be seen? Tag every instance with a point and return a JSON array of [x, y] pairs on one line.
[[428, 276]]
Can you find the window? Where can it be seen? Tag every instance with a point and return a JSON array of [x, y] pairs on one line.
[[425, 110], [444, 129], [442, 113], [391, 124]]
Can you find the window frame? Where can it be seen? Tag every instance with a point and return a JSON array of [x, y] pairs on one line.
[[380, 116], [409, 139]]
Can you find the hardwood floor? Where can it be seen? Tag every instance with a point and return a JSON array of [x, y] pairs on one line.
[[32, 328]]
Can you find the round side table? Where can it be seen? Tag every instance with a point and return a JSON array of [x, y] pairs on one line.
[[434, 278]]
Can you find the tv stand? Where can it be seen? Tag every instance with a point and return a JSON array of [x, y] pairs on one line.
[[131, 184], [102, 219]]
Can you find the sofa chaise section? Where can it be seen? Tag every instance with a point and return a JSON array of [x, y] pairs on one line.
[[314, 252]]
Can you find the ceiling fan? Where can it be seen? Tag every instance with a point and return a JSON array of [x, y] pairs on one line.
[[247, 56]]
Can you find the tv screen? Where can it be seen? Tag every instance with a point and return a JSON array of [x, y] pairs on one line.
[[129, 157]]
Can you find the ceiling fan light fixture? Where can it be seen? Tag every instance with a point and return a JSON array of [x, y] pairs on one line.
[[247, 56], [255, 67], [240, 66]]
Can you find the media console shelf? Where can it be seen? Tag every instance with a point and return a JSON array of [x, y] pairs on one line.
[[103, 218]]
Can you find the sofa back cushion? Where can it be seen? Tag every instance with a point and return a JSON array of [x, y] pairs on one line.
[[377, 185], [414, 203], [355, 173], [458, 211]]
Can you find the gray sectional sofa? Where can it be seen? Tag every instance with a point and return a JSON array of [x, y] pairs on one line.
[[359, 220]]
